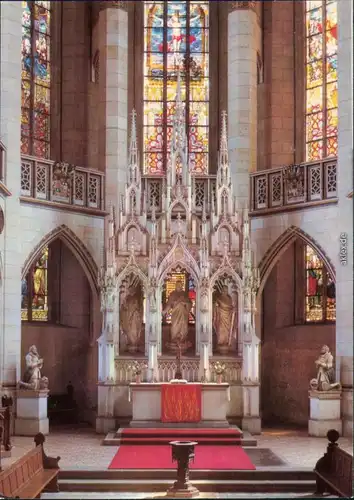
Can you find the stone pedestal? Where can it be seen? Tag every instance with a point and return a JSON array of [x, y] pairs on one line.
[[251, 420], [324, 412], [31, 414], [105, 420]]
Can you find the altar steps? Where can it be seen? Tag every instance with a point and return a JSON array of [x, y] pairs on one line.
[[207, 436], [149, 481]]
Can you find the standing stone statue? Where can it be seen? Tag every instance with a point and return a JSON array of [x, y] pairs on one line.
[[325, 376], [224, 319], [32, 378], [180, 305], [131, 316]]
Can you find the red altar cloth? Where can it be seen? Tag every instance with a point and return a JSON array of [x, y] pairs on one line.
[[181, 402]]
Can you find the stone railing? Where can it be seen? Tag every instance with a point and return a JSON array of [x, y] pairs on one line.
[[203, 189], [167, 369], [47, 181], [294, 186]]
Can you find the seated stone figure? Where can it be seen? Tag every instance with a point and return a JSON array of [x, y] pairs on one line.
[[325, 380], [32, 378]]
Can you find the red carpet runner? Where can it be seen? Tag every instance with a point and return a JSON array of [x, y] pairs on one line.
[[159, 457], [217, 449]]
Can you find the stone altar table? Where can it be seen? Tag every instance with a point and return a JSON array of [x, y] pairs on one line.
[[146, 404]]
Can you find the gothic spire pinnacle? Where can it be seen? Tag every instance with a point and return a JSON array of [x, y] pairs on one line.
[[224, 150], [133, 147]]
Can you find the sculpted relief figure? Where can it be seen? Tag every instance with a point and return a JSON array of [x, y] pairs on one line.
[[325, 380], [180, 306], [223, 319], [32, 378], [131, 316]]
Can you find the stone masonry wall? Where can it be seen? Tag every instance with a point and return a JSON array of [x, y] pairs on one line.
[[288, 351]]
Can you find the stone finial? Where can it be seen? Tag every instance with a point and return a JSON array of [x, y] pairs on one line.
[[242, 5]]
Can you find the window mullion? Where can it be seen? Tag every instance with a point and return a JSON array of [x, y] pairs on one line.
[[165, 83], [324, 81]]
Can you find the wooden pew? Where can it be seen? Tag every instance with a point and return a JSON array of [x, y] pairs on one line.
[[335, 469], [32, 474], [5, 424]]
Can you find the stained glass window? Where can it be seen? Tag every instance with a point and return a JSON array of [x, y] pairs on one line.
[[176, 38], [320, 290], [34, 297], [170, 286], [321, 79], [35, 81]]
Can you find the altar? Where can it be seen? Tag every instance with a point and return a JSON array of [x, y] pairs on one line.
[[179, 277], [149, 407]]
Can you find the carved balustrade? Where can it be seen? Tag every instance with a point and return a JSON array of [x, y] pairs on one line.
[[294, 186], [167, 368], [203, 190], [47, 181]]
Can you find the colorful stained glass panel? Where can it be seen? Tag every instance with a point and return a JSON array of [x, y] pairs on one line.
[[332, 63], [198, 139], [315, 150], [332, 95], [199, 162], [320, 290], [315, 100], [314, 22], [41, 19], [314, 74], [41, 128], [315, 47], [332, 146], [26, 94], [199, 113], [313, 4], [153, 114], [153, 139], [314, 126], [42, 99], [332, 122], [154, 163]]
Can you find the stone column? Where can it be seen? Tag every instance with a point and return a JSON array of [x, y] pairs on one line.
[[344, 271], [244, 38], [113, 89], [10, 239]]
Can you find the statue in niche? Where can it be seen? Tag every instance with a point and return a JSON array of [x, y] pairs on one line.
[[325, 380], [32, 378], [224, 315], [132, 314], [180, 306]]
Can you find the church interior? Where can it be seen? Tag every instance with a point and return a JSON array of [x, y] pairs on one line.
[[176, 257]]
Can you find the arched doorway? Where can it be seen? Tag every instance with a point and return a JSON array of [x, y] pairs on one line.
[[58, 316], [297, 318]]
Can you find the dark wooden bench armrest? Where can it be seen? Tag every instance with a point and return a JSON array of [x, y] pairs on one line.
[[328, 480], [37, 483]]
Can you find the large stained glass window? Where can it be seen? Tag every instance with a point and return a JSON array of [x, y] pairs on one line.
[[35, 116], [321, 79], [320, 303], [34, 300], [176, 39]]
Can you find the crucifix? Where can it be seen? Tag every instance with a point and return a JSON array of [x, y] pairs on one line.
[[178, 374]]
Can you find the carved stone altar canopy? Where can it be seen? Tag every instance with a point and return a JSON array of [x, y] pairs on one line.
[[178, 230]]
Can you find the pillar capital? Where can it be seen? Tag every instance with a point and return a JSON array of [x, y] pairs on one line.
[[242, 5], [113, 4]]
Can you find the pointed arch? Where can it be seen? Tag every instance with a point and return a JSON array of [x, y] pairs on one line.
[[75, 245], [277, 249]]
